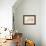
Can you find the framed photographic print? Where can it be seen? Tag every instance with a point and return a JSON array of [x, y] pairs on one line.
[[29, 19]]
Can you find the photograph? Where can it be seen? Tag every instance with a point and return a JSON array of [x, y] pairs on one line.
[[29, 19]]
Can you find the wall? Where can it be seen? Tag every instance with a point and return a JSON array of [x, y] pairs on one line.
[[6, 13], [43, 22], [28, 7]]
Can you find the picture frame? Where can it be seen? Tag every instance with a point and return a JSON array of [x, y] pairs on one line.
[[29, 19]]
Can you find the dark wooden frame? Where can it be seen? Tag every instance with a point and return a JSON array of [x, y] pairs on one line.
[[29, 16]]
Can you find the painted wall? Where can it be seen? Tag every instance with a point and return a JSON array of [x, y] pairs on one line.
[[43, 22], [28, 7]]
